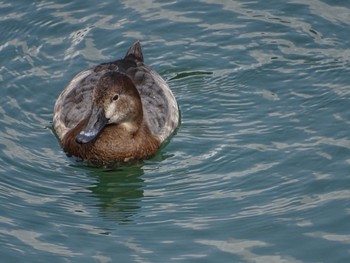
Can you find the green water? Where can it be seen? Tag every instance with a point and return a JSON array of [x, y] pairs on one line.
[[258, 170]]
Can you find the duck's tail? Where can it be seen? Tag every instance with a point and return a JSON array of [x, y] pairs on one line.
[[135, 52]]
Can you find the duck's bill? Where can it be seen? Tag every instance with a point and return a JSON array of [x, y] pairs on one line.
[[95, 125]]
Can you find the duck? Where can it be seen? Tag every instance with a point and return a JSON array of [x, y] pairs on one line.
[[118, 111]]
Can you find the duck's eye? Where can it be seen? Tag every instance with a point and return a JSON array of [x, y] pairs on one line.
[[115, 97]]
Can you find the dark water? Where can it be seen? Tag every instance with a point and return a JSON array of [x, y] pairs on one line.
[[258, 170]]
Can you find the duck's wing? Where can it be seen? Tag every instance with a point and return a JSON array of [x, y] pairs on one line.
[[159, 104], [75, 102]]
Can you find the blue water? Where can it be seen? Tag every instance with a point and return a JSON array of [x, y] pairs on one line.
[[258, 170]]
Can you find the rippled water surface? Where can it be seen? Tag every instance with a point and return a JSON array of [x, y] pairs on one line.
[[258, 170]]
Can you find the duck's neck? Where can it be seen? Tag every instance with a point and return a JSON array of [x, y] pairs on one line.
[[130, 127]]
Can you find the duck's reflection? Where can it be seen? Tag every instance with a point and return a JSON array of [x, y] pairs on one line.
[[119, 191]]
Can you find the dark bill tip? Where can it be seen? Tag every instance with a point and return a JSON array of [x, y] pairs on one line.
[[84, 137]]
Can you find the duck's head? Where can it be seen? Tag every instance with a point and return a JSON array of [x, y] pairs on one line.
[[115, 101]]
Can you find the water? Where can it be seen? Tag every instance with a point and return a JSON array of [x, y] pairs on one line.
[[258, 170]]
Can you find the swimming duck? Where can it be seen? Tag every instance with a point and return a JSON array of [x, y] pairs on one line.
[[117, 111]]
